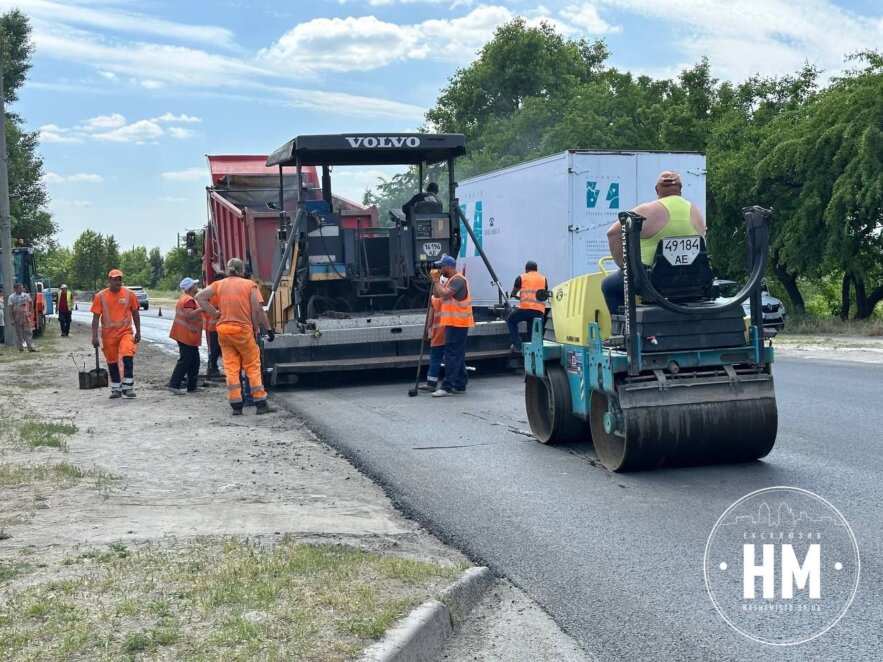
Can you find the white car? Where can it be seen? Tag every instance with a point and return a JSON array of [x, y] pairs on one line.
[[141, 295], [773, 309]]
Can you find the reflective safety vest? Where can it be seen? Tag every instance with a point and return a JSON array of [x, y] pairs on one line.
[[436, 330], [67, 296], [116, 311], [457, 313], [531, 283], [234, 302], [184, 329], [678, 225]]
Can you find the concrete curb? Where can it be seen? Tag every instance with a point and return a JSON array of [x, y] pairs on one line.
[[421, 636]]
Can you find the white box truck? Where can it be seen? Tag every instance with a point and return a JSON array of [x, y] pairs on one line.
[[556, 211]]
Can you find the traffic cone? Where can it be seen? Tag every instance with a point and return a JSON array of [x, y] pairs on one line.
[[160, 312]]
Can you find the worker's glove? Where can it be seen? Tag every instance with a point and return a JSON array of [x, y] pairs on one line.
[[271, 335], [96, 343], [435, 275]]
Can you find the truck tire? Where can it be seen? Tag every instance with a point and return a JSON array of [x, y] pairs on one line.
[[550, 409]]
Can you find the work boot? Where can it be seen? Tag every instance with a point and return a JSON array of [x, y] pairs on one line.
[[441, 393], [263, 407], [115, 394], [32, 349], [129, 393], [175, 391], [237, 409], [428, 386]]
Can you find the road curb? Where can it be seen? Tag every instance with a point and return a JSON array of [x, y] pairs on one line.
[[421, 636]]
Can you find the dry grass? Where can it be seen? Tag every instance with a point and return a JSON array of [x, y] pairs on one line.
[[216, 599], [809, 325]]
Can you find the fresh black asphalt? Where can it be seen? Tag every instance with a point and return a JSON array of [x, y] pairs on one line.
[[617, 560]]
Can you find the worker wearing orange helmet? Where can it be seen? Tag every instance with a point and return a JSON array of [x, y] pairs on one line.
[[117, 308], [239, 319]]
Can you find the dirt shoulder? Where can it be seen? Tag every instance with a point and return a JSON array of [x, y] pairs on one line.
[[108, 506], [859, 349]]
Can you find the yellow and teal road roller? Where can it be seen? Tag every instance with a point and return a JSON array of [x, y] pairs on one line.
[[677, 378]]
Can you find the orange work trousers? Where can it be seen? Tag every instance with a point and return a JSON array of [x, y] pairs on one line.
[[240, 351], [116, 347]]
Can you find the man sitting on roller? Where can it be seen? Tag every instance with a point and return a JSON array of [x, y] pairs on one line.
[[668, 216]]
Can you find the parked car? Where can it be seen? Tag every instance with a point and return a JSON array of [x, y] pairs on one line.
[[773, 309], [141, 293]]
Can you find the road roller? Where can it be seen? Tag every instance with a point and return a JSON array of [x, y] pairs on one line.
[[678, 377]]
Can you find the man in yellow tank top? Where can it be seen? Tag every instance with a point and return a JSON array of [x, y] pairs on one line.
[[668, 216]]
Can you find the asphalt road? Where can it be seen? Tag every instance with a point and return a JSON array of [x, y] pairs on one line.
[[615, 559]]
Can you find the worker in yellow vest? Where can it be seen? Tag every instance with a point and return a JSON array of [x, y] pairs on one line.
[[668, 216], [526, 288], [456, 318], [187, 332]]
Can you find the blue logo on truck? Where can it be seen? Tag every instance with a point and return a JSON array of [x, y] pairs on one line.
[[593, 193], [476, 228]]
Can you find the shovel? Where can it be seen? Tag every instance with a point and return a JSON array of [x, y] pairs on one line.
[[96, 378]]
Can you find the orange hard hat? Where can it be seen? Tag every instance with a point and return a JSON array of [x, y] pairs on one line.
[[115, 273]]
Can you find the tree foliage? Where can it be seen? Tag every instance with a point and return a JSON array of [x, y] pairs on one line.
[[31, 221]]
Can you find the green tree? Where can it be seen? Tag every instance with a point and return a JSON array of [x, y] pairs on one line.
[[56, 263], [177, 265], [156, 266], [88, 261], [830, 156], [135, 264], [31, 221]]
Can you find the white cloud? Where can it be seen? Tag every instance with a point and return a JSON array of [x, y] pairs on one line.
[[52, 133], [188, 175], [241, 79], [181, 119], [109, 75], [80, 177], [585, 17], [115, 20], [365, 42], [137, 132], [770, 37], [150, 84], [180, 133], [102, 122]]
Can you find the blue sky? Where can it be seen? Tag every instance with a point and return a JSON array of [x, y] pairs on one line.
[[130, 95]]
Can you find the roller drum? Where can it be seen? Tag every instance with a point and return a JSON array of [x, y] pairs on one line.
[[695, 422]]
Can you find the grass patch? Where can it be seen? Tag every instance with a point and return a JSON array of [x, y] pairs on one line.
[[214, 599], [10, 569], [63, 474], [811, 325], [36, 434]]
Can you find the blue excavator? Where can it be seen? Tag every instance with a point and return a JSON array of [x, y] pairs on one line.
[[677, 377]]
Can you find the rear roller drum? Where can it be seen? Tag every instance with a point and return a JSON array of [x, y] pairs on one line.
[[550, 409]]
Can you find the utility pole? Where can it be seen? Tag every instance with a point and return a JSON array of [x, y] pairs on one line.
[[5, 222]]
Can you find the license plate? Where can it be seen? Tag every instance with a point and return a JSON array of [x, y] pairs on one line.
[[432, 249], [680, 251]]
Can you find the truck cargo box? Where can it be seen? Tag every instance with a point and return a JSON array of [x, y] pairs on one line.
[[556, 210]]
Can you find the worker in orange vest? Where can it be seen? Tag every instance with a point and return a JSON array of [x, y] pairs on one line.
[[117, 308], [456, 318], [435, 333], [239, 320], [526, 287], [211, 336], [187, 331]]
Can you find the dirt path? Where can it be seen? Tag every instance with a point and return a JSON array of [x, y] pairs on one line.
[[161, 471]]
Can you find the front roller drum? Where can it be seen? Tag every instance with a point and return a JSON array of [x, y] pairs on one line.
[[550, 408], [690, 425]]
